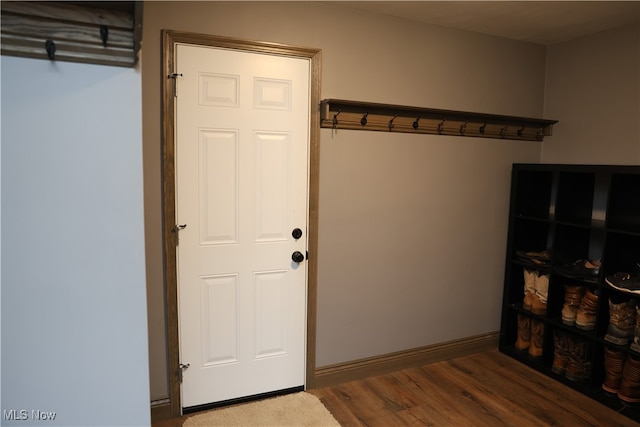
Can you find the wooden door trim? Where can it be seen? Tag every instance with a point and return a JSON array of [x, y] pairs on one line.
[[169, 40]]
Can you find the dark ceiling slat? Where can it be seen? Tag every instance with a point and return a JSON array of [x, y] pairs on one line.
[[72, 12]]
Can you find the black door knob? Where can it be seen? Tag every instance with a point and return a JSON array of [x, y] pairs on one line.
[[296, 233], [297, 256]]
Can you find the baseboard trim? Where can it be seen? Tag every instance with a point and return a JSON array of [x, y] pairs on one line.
[[378, 365], [160, 411]]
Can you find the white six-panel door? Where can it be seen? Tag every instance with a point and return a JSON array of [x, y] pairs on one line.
[[242, 132]]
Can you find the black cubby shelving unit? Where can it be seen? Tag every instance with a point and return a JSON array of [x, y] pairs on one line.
[[578, 212]]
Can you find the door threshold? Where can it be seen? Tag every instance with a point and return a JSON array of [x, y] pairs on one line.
[[238, 400]]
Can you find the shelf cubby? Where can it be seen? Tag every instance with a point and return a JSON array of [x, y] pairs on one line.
[[624, 203], [535, 200], [622, 253], [571, 243], [578, 212], [575, 197], [531, 235]]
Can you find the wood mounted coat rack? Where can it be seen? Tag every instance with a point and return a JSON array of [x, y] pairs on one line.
[[93, 32], [341, 114]]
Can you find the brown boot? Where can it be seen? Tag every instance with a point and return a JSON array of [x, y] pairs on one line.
[[539, 301], [622, 320], [586, 315], [630, 385], [561, 352], [573, 295], [524, 332], [529, 288], [635, 345], [579, 366], [537, 338], [613, 365]]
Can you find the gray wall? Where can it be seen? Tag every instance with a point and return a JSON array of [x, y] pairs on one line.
[[412, 228], [593, 89], [74, 325]]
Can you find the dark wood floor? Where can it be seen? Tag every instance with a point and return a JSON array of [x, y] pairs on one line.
[[484, 389]]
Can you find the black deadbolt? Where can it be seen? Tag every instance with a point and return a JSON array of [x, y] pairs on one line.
[[296, 233]]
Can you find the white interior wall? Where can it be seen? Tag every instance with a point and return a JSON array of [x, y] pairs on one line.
[[593, 90], [74, 326], [413, 228]]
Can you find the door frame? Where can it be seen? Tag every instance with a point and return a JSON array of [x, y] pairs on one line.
[[169, 40]]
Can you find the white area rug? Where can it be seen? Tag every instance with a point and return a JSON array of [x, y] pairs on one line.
[[298, 409]]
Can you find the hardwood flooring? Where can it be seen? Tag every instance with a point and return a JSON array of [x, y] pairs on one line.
[[484, 389]]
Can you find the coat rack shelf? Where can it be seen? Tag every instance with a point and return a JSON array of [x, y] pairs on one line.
[[341, 114]]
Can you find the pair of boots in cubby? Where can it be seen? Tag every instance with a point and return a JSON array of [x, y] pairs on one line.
[[530, 335], [580, 307], [622, 375], [571, 356], [536, 291], [624, 322], [622, 370]]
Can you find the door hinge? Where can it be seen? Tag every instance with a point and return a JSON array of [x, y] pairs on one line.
[[183, 367], [176, 229], [175, 76]]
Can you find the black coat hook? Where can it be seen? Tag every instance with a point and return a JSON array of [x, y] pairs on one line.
[[521, 131], [482, 129], [50, 47], [335, 119], [363, 120], [415, 123], [391, 121], [463, 128], [441, 126], [104, 34]]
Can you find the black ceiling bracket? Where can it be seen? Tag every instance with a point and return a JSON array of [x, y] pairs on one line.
[[50, 47], [104, 34]]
